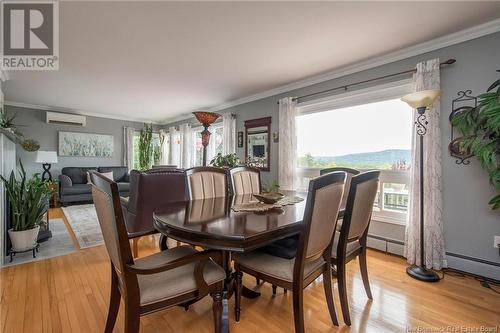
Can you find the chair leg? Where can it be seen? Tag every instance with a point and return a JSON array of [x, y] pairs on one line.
[[257, 281], [132, 318], [217, 311], [135, 247], [274, 289], [114, 303], [237, 297], [327, 284], [298, 310], [364, 273], [285, 290], [343, 292], [163, 243]]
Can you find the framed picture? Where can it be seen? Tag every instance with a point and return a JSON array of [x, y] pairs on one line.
[[240, 139], [85, 144]]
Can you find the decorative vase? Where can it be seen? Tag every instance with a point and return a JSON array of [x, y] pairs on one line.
[[24, 240]]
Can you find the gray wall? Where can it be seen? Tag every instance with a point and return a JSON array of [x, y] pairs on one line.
[[469, 224], [32, 124]]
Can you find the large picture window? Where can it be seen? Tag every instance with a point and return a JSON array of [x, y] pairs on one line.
[[365, 136]]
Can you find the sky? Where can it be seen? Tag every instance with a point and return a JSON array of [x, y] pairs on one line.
[[358, 129]]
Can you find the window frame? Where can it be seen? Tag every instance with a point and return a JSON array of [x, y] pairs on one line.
[[377, 93]]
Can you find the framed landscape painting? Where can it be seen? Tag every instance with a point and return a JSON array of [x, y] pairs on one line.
[[85, 144]]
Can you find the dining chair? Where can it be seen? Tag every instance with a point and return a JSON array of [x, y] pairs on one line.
[[245, 180], [350, 241], [149, 191], [162, 280], [207, 182], [349, 174], [313, 257]]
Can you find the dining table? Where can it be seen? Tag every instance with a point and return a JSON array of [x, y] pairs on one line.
[[214, 223]]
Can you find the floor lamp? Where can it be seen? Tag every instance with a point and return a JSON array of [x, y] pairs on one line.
[[206, 119], [421, 101]]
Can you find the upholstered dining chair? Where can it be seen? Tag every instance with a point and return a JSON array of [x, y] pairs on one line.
[[162, 280], [245, 180], [313, 256], [149, 191], [349, 174], [207, 182], [350, 241]]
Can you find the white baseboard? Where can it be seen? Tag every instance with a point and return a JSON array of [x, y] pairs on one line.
[[384, 245], [473, 266]]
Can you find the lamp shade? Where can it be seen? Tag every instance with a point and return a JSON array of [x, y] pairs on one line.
[[46, 157], [206, 118], [420, 99]]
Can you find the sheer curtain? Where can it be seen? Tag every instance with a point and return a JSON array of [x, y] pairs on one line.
[[174, 149], [427, 77], [287, 144], [186, 145], [165, 147], [128, 147], [229, 133]]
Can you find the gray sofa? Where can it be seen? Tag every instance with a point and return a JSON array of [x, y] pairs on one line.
[[73, 185]]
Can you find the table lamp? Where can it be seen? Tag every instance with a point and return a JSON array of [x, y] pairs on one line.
[[46, 158]]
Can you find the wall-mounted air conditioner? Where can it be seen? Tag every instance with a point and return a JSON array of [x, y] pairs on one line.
[[66, 119]]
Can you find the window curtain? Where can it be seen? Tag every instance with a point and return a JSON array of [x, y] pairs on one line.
[[174, 155], [229, 133], [128, 147], [186, 145], [165, 147], [427, 77], [287, 144]]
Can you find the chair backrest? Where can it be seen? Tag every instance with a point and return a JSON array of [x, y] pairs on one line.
[[349, 174], [245, 180], [358, 212], [149, 191], [109, 213], [207, 182], [164, 166], [320, 216]]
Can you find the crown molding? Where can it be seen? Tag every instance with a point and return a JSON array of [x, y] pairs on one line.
[[79, 112], [418, 49]]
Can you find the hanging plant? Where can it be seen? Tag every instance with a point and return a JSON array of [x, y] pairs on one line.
[[30, 145], [146, 147], [480, 127]]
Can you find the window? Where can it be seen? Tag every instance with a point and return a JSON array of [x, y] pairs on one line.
[[365, 132], [215, 145]]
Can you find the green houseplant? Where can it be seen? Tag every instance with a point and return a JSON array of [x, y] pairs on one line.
[[225, 161], [29, 200], [480, 128], [146, 147]]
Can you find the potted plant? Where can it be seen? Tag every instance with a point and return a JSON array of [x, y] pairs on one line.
[[225, 161], [480, 127], [29, 199]]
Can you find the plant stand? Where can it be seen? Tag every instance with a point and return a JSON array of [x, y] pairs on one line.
[[34, 248]]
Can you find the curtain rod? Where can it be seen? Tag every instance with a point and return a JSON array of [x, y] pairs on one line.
[[347, 86]]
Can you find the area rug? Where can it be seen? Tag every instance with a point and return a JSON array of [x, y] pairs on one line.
[[58, 245], [83, 221]]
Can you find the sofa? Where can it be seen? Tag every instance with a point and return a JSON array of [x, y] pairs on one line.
[[73, 186]]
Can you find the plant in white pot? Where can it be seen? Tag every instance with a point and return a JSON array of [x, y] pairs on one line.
[[29, 199]]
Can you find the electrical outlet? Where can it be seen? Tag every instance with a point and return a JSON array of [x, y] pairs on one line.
[[496, 242]]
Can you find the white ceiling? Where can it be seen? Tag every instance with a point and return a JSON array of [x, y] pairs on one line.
[[159, 60]]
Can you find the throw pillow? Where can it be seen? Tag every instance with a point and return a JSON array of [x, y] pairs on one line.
[[108, 175]]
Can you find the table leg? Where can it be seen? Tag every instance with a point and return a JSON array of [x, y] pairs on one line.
[[230, 278]]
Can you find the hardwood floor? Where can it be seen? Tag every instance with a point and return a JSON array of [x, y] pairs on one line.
[[70, 294]]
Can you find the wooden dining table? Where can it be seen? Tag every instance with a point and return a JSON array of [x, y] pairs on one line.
[[212, 224]]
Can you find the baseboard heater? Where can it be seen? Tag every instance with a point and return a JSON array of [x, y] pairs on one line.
[[385, 244]]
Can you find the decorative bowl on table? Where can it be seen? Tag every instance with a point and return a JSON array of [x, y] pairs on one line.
[[269, 198]]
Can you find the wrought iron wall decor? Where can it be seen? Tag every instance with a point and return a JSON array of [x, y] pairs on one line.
[[463, 103]]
